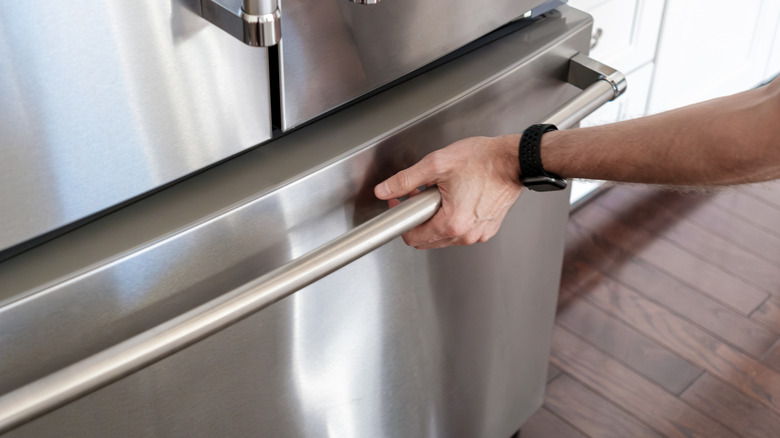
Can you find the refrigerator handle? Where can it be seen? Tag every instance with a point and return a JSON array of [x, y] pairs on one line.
[[70, 383], [600, 84], [257, 23]]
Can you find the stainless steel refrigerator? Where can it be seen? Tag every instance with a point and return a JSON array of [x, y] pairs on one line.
[[168, 167]]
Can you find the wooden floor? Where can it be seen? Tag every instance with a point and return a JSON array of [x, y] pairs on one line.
[[669, 318]]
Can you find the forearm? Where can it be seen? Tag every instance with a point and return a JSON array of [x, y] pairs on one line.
[[734, 139], [724, 141]]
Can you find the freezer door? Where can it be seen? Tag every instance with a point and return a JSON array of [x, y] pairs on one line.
[[333, 51], [102, 101], [399, 343]]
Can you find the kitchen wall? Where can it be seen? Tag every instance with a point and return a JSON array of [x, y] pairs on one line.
[[677, 52]]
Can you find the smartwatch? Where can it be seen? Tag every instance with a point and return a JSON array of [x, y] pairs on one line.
[[532, 173]]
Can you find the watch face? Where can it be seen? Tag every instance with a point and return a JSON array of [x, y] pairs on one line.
[[544, 183]]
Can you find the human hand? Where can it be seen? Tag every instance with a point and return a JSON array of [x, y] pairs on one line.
[[478, 178]]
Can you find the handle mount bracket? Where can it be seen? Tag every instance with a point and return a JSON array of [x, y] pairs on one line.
[[585, 71], [257, 23]]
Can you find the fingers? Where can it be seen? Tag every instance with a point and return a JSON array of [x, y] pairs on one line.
[[438, 244], [405, 181], [477, 191], [444, 230], [395, 201], [425, 236], [424, 242], [451, 227]]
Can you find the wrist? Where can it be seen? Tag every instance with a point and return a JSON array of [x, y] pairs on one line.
[[508, 157], [549, 151]]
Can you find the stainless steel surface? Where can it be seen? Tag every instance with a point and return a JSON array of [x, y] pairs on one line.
[[398, 343], [334, 51], [115, 100], [84, 377], [257, 23], [109, 365], [259, 7]]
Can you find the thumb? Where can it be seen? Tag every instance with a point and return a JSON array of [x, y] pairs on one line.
[[402, 183]]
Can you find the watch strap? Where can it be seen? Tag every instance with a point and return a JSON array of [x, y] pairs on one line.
[[529, 151]]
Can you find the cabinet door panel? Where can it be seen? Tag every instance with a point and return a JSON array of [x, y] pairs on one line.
[[712, 48], [627, 31]]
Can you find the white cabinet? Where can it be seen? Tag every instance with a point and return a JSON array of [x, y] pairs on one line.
[[625, 36], [711, 48], [773, 66], [625, 31]]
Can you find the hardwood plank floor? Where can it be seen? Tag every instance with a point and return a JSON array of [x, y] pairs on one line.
[[591, 413], [772, 359], [544, 424], [594, 251], [769, 314], [628, 346], [751, 209], [721, 252], [668, 317], [552, 373], [618, 383], [706, 215], [679, 263], [733, 408]]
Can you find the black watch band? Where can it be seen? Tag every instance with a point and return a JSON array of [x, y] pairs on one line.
[[532, 173]]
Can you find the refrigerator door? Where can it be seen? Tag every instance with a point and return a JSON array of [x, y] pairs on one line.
[[333, 51], [399, 343], [103, 101]]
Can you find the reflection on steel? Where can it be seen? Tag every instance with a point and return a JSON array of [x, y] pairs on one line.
[[363, 47], [82, 131], [114, 363], [57, 389]]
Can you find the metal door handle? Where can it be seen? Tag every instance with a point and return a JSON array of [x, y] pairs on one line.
[[255, 22], [77, 380], [599, 83]]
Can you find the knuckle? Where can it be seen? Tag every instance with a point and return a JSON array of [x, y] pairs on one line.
[[403, 180], [456, 229], [469, 239], [437, 162]]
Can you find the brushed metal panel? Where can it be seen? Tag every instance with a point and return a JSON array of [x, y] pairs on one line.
[[103, 101], [401, 343], [333, 51]]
